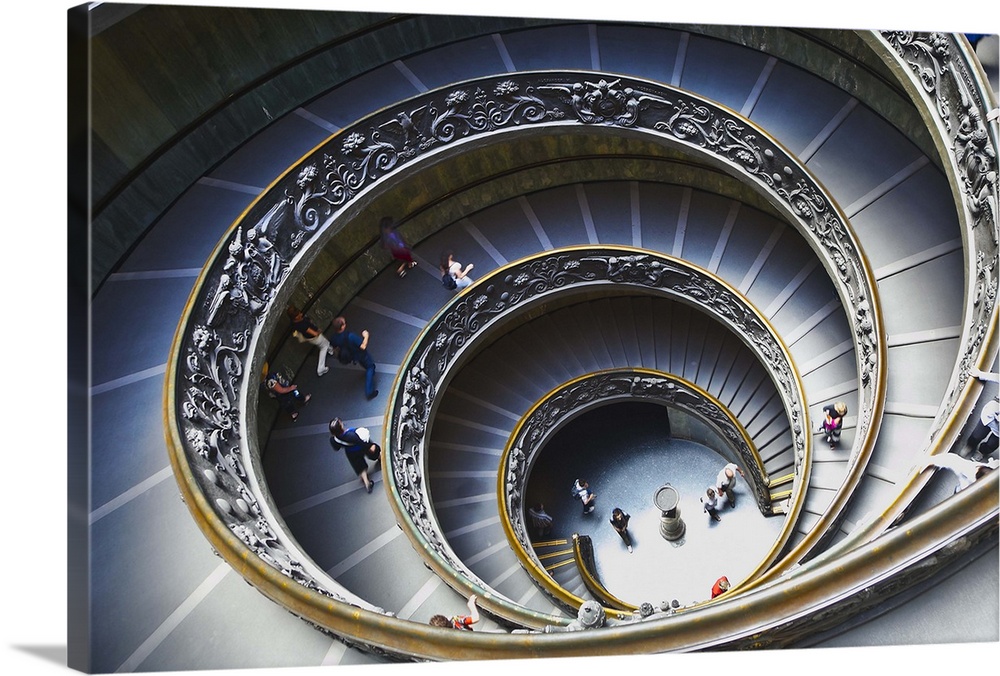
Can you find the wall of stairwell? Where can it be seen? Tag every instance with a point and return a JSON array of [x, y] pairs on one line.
[[166, 115], [207, 79]]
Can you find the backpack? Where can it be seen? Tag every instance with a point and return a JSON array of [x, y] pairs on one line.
[[448, 281], [353, 438], [268, 383]]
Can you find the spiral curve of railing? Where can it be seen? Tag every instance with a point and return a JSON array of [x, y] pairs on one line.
[[208, 392]]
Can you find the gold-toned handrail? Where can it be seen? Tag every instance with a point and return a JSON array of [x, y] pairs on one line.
[[611, 603], [551, 555], [781, 480], [517, 538], [560, 564]]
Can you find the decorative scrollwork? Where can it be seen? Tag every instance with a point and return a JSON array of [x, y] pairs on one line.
[[604, 102], [249, 278], [928, 54], [539, 278], [939, 67], [513, 107], [241, 285]]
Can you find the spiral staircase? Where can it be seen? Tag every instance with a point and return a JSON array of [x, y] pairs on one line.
[[338, 576]]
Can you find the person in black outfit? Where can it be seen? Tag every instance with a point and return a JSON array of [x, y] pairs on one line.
[[358, 447], [619, 521]]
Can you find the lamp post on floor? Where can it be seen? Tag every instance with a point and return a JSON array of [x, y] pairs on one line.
[[666, 498]]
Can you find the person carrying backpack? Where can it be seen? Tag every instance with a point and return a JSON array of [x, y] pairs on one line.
[[357, 444], [453, 276]]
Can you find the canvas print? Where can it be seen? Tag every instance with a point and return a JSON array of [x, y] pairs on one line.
[[440, 337]]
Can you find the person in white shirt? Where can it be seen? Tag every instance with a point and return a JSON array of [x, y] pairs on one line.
[[726, 481], [455, 270], [581, 490], [710, 504], [965, 470]]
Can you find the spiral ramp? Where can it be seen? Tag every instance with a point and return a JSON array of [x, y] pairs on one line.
[[201, 613]]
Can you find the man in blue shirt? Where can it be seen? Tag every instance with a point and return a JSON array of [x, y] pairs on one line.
[[353, 349]]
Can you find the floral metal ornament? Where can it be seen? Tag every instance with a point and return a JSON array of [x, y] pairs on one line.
[[940, 67]]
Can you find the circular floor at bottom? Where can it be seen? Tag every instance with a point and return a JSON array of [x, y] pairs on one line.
[[625, 460]]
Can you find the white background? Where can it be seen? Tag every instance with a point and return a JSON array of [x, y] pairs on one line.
[[34, 308]]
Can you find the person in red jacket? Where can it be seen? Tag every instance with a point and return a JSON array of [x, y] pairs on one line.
[[459, 621]]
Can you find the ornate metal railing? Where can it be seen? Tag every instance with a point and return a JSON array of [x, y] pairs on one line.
[[945, 80], [514, 290], [583, 553], [947, 84], [211, 384], [569, 400]]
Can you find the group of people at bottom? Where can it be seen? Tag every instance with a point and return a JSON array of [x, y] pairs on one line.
[[465, 622], [725, 483], [542, 521], [619, 518]]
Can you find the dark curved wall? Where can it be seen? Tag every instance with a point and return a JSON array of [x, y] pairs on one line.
[[176, 89], [158, 70]]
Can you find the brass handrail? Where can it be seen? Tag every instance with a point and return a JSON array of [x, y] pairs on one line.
[[513, 290], [610, 602]]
